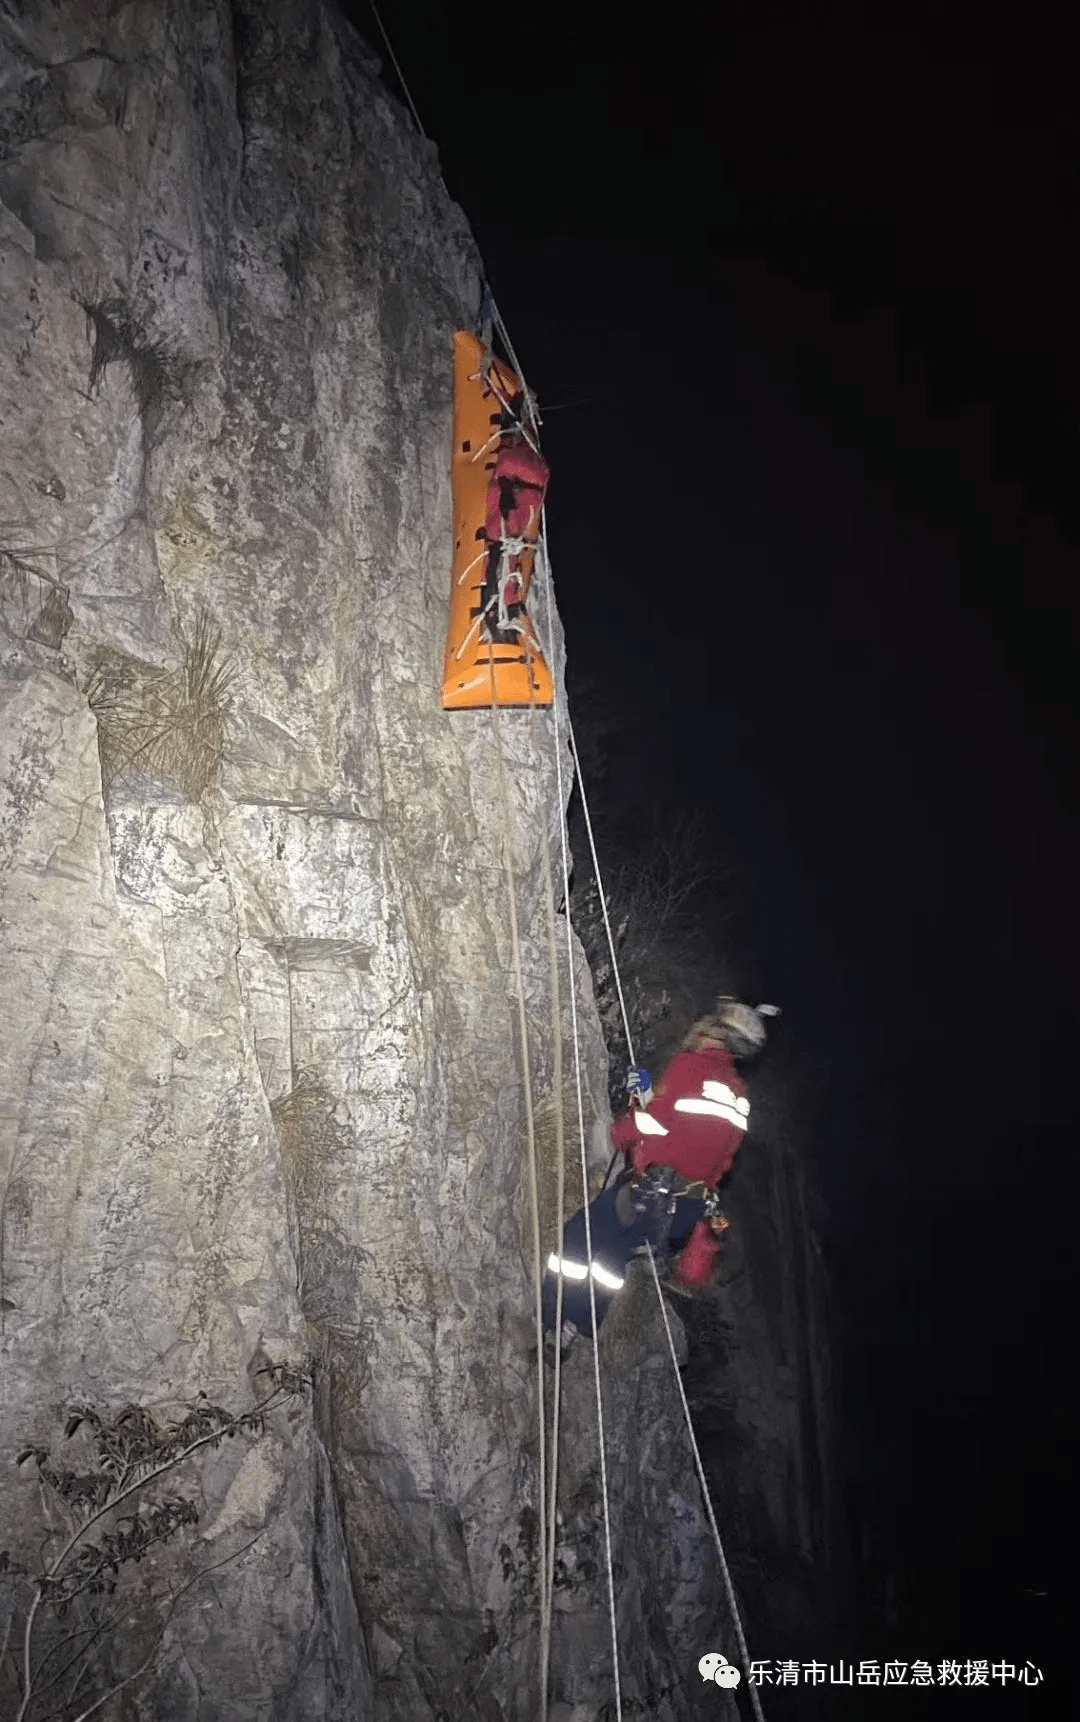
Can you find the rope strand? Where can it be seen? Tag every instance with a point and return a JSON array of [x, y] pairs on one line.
[[557, 1086], [397, 69], [728, 1586], [534, 1191], [544, 561], [602, 894]]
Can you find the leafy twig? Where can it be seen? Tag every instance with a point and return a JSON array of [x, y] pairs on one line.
[[156, 1646], [134, 1452]]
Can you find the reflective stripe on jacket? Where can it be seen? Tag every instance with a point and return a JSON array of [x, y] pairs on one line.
[[695, 1121]]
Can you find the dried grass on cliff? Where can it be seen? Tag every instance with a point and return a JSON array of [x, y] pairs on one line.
[[166, 724], [546, 1133], [117, 336]]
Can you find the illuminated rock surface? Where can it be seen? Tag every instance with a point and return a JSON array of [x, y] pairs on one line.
[[263, 1094]]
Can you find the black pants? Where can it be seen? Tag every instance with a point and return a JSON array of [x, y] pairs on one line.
[[613, 1244]]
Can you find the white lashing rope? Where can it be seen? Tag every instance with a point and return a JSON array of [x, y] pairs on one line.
[[527, 395], [465, 572], [490, 381]]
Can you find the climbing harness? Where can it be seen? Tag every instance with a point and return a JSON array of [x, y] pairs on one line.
[[715, 1215], [663, 1182]]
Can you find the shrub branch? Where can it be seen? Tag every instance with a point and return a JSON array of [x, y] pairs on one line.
[[134, 1452]]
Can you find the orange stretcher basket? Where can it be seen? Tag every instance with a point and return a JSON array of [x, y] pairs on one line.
[[499, 478]]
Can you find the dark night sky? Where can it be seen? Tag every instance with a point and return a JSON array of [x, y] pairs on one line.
[[805, 303]]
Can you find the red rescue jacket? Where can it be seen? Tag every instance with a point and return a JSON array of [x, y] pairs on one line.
[[701, 1109]]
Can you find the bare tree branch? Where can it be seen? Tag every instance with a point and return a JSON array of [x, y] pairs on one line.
[[143, 1666], [126, 1445]]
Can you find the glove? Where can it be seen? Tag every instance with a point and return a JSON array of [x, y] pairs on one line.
[[638, 1081]]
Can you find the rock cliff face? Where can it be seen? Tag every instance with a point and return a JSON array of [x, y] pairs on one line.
[[263, 1090]]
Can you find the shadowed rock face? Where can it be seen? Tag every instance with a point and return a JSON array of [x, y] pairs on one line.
[[263, 1093]]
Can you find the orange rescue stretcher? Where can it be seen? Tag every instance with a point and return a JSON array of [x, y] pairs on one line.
[[499, 479]]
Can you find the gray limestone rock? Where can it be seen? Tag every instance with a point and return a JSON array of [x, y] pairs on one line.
[[264, 1097]]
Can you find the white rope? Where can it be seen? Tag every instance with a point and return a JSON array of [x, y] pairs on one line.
[[463, 576], [601, 892], [516, 546], [603, 1444], [530, 402], [509, 626], [732, 1601], [544, 561], [476, 626], [547, 1605], [515, 946], [557, 1090], [397, 68], [728, 1586], [491, 382], [485, 447]]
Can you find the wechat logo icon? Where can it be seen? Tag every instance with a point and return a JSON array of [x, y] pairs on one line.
[[713, 1666]]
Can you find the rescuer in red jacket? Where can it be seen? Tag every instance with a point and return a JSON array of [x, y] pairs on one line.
[[680, 1140], [695, 1118]]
